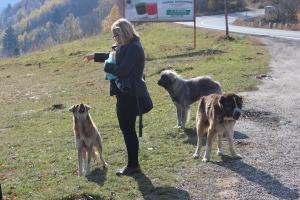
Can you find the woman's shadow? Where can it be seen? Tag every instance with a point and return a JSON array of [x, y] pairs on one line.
[[150, 192], [145, 186]]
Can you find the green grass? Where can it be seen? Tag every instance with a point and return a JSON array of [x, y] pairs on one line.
[[37, 150]]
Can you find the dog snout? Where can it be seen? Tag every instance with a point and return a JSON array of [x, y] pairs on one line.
[[236, 113], [81, 108], [159, 82]]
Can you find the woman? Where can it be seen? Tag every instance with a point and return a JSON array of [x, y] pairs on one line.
[[128, 83]]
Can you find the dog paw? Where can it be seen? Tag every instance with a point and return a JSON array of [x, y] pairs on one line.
[[105, 165], [177, 126], [205, 159], [196, 156], [220, 153]]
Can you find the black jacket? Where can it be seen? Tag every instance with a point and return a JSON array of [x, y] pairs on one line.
[[129, 67]]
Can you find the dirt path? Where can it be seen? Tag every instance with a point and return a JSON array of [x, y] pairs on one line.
[[270, 135]]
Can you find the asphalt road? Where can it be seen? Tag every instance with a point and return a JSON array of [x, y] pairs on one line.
[[217, 22]]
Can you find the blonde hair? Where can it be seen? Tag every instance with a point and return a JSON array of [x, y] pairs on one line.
[[125, 30]]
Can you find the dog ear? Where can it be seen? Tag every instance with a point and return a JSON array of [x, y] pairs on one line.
[[172, 79], [222, 100], [87, 107], [72, 109], [220, 110], [239, 100]]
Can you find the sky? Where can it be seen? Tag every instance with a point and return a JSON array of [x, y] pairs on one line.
[[4, 3]]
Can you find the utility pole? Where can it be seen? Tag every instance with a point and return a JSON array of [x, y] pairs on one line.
[[226, 18], [1, 196]]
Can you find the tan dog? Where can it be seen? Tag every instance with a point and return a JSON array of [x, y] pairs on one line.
[[86, 136], [217, 114]]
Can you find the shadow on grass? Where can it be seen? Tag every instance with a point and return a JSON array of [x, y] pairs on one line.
[[192, 136], [259, 177], [150, 192], [81, 197], [204, 52], [98, 176]]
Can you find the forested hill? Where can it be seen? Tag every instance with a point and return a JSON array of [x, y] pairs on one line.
[[31, 25], [36, 24]]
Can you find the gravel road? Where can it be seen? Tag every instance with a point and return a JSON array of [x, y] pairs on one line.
[[268, 134]]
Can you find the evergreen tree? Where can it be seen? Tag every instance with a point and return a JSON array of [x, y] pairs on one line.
[[26, 4], [8, 8], [10, 42], [56, 17]]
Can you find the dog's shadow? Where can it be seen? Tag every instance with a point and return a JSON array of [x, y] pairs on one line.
[[259, 177], [192, 136], [149, 191], [238, 135], [98, 175]]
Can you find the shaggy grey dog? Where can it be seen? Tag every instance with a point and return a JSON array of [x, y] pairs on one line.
[[184, 92]]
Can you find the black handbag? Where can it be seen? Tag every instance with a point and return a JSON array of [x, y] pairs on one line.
[[145, 104]]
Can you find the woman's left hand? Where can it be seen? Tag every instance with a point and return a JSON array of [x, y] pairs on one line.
[[108, 67]]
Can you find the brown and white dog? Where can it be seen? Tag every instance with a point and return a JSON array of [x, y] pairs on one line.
[[217, 114], [86, 137]]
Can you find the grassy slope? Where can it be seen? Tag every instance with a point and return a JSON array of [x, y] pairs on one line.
[[37, 152]]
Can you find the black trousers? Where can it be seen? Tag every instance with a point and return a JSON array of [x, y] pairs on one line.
[[126, 107]]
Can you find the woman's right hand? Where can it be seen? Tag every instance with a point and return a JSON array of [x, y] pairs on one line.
[[88, 57]]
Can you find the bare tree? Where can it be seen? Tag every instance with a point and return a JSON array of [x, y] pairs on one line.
[[90, 23], [285, 12], [70, 29]]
